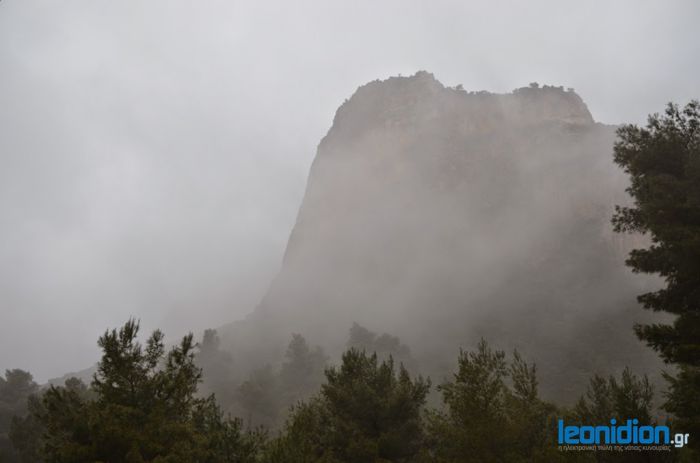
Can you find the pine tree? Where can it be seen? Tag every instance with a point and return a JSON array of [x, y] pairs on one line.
[[16, 388], [142, 406], [367, 411], [663, 162], [492, 412]]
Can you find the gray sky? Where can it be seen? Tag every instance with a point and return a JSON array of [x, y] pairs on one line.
[[153, 154]]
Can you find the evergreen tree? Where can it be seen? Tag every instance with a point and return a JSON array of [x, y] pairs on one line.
[[65, 418], [366, 412], [15, 389], [26, 432], [493, 412], [663, 162], [629, 397], [142, 406]]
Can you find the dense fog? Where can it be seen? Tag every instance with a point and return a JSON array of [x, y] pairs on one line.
[[155, 154]]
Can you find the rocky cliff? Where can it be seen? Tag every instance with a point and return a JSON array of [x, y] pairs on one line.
[[442, 216]]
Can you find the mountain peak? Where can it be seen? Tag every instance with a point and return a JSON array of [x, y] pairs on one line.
[[433, 209], [398, 101]]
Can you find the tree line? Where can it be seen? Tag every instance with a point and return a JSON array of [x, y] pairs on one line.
[[143, 405]]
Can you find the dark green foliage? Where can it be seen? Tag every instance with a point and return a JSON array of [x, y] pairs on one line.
[[303, 439], [54, 420], [684, 402], [375, 410], [26, 431], [367, 411], [142, 406], [663, 162], [626, 398], [65, 419], [222, 439], [493, 412], [15, 389]]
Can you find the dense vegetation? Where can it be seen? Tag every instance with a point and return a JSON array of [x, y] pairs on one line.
[[663, 162], [143, 405]]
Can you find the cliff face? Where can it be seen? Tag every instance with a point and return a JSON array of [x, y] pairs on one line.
[[443, 216]]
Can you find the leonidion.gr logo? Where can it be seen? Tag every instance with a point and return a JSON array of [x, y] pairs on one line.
[[628, 433]]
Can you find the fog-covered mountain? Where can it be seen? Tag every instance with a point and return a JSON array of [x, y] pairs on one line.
[[442, 216]]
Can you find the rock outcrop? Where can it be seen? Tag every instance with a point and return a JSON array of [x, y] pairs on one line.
[[443, 216]]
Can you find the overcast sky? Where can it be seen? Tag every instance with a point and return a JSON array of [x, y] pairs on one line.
[[153, 154]]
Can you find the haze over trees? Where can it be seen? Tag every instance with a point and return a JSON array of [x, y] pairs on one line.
[[144, 406]]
